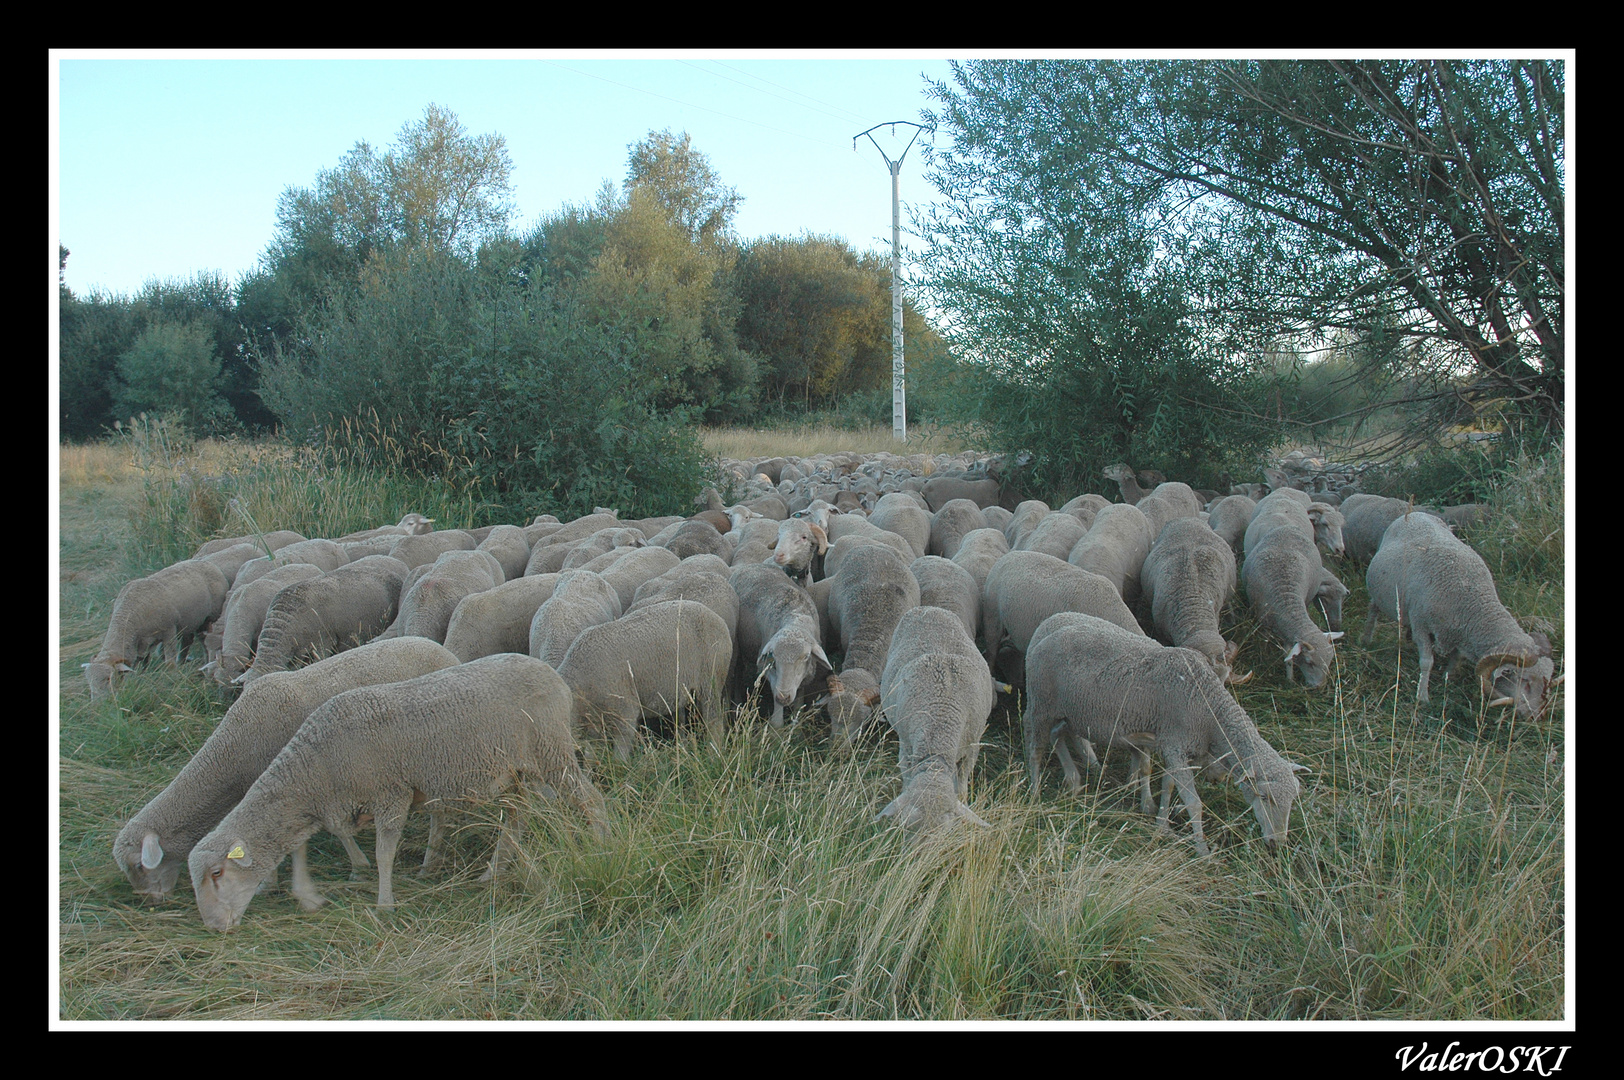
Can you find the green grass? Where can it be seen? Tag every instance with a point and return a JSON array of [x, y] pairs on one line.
[[1423, 878]]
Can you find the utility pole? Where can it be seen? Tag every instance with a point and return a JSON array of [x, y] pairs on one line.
[[899, 392]]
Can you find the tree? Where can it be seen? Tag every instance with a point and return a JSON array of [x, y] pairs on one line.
[[1413, 207], [172, 370], [682, 181]]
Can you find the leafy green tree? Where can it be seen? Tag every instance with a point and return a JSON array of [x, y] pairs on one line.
[[682, 181], [1414, 207], [172, 370], [94, 331]]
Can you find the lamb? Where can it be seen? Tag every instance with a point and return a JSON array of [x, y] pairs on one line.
[[646, 663], [167, 609], [1283, 577], [800, 549], [936, 693], [1026, 587], [1441, 590], [951, 524], [580, 600], [778, 627], [1115, 548], [866, 601], [1188, 577], [245, 617], [151, 849], [1110, 687], [462, 734], [346, 607]]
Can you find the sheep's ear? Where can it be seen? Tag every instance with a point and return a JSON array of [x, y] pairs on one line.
[[1296, 768], [1003, 687], [817, 651], [122, 666], [836, 686], [240, 679], [1499, 701], [765, 654], [152, 852], [238, 853], [1295, 651], [822, 539]]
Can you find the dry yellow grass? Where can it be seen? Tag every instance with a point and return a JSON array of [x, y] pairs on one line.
[[737, 442]]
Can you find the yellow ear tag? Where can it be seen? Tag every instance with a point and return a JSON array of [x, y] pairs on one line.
[[235, 853]]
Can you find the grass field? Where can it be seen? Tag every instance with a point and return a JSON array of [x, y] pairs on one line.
[[1424, 879]]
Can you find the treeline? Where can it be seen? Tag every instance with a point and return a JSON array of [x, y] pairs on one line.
[[398, 312]]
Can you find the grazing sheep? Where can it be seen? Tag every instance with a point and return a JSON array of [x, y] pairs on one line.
[[777, 627], [1365, 521], [941, 490], [979, 550], [1085, 508], [1229, 517], [152, 848], [347, 607], [708, 587], [460, 735], [1024, 520], [1284, 577], [936, 693], [167, 609], [511, 549], [842, 549], [245, 617], [596, 547], [1026, 587], [232, 559], [800, 550], [413, 524], [1110, 687], [498, 620], [1115, 548], [1442, 592], [271, 542], [1188, 577], [945, 584], [645, 664], [628, 573], [1328, 523], [427, 605], [581, 599], [422, 550], [951, 524], [866, 601], [903, 514], [695, 537], [1056, 533]]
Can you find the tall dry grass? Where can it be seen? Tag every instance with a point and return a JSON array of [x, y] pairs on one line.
[[811, 439]]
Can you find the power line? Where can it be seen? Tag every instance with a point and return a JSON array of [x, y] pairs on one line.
[[849, 115]]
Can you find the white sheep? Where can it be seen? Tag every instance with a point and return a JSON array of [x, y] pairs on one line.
[[422, 549], [326, 554], [866, 600], [1284, 578], [153, 847], [799, 550], [1113, 688], [1438, 588], [508, 544], [1115, 548], [581, 599], [936, 693], [498, 620], [645, 664], [245, 616], [979, 550], [1025, 587], [903, 513], [427, 604], [346, 607], [945, 584], [1187, 578], [706, 586], [951, 524], [167, 609], [1056, 533], [777, 627], [267, 543], [464, 734]]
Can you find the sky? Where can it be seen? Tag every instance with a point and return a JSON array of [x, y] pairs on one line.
[[168, 164]]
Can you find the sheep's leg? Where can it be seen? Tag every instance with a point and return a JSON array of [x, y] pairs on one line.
[[358, 859], [433, 857], [389, 822], [1140, 766], [1423, 644], [1371, 618], [1038, 738], [1184, 777], [302, 888], [624, 733]]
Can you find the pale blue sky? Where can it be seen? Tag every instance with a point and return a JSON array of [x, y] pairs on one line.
[[172, 163]]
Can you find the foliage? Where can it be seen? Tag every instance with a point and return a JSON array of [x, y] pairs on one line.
[[94, 332], [682, 181], [171, 369], [1412, 207]]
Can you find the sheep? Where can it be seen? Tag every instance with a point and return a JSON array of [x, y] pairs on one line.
[[951, 524], [270, 542], [232, 559], [941, 490], [498, 620], [1115, 548], [153, 846], [423, 549], [580, 600], [842, 549], [945, 584], [326, 554], [1123, 474], [1283, 576], [777, 628], [936, 693], [427, 605], [1024, 520], [1056, 533], [1229, 517], [865, 601], [706, 586], [646, 663], [167, 609], [694, 537], [1085, 507], [348, 606], [511, 549], [462, 734], [594, 547], [1110, 687], [800, 549], [1275, 510], [1026, 587], [1188, 577], [979, 550], [412, 524], [245, 617], [627, 573], [1366, 518], [1442, 591], [903, 514]]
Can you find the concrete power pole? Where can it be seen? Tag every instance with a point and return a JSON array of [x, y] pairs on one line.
[[899, 391]]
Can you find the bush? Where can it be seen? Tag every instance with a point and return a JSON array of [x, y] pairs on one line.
[[172, 370]]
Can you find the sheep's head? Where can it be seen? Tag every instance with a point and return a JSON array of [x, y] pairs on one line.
[[1328, 522], [1270, 788], [225, 876], [103, 676], [851, 702], [1312, 659], [1519, 679], [140, 856], [786, 661], [929, 802]]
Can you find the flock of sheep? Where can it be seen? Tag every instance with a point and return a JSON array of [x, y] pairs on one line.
[[450, 665]]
